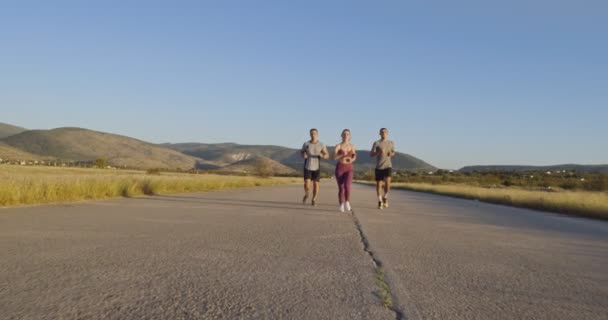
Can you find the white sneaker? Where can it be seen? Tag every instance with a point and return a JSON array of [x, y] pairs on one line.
[[348, 206], [342, 207]]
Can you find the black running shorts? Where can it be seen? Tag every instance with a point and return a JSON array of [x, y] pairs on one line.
[[382, 174], [312, 175]]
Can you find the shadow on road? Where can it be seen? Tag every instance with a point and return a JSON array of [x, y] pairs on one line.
[[242, 203]]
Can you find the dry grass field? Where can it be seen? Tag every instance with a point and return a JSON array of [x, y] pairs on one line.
[[582, 203], [22, 185]]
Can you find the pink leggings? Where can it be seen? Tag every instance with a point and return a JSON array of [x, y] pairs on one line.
[[344, 176]]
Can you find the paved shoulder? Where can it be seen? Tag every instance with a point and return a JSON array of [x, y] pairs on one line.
[[449, 258]]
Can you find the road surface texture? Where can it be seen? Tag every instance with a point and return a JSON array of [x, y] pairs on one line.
[[260, 254]]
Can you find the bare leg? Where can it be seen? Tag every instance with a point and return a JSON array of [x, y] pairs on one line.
[[379, 193], [387, 188], [315, 192], [306, 190], [387, 185]]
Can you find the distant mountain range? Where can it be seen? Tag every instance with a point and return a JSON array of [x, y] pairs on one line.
[[221, 154], [601, 168], [78, 144]]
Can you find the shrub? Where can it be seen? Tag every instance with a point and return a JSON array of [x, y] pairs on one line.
[[597, 183], [101, 163], [154, 171], [568, 185]]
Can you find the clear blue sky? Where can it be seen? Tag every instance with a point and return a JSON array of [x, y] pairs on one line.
[[456, 82]]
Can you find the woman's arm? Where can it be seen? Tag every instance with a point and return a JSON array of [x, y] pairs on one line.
[[336, 149]]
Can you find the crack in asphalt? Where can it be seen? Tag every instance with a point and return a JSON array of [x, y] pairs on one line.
[[384, 290]]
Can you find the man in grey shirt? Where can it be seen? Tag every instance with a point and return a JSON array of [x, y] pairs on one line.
[[312, 152], [383, 150]]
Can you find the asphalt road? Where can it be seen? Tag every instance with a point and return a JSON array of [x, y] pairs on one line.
[[260, 254]]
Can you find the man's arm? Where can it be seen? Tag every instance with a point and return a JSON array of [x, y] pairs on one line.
[[303, 152], [392, 152], [374, 152], [324, 153]]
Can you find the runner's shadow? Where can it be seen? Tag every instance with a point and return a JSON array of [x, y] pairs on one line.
[[229, 200], [240, 203]]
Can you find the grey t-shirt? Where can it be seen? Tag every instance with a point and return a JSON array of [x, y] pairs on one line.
[[314, 154], [383, 161]]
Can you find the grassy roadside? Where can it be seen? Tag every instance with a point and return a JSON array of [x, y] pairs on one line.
[[39, 185], [580, 203]]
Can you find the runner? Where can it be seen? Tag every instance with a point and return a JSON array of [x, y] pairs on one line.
[[345, 154], [383, 150], [312, 151]]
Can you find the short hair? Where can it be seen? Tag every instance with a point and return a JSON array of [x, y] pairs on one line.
[[383, 129], [345, 131], [313, 129]]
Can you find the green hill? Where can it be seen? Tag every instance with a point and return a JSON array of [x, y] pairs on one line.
[[259, 165], [10, 153], [77, 144], [226, 153], [9, 130]]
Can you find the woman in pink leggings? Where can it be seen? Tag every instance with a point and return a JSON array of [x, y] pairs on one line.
[[345, 154]]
